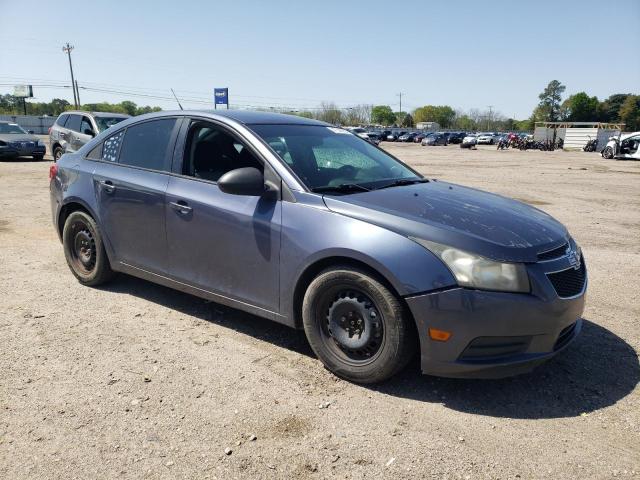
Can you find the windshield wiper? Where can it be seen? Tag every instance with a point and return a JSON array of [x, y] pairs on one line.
[[403, 181], [342, 188]]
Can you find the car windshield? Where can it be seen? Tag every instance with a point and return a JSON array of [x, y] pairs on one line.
[[11, 128], [326, 157], [106, 122]]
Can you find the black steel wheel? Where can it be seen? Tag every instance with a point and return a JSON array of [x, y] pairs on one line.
[[357, 326], [84, 250]]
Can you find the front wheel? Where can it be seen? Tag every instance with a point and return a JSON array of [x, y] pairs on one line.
[[57, 153], [607, 153], [84, 250], [356, 326]]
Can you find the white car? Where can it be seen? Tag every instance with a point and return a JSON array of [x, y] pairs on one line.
[[486, 139], [359, 131], [625, 146], [469, 141]]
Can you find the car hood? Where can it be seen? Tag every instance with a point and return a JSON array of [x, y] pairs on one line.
[[18, 137], [490, 225]]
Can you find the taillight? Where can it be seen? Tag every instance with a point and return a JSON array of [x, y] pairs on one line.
[[53, 171]]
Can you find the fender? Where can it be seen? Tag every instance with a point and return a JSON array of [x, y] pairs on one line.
[[408, 267]]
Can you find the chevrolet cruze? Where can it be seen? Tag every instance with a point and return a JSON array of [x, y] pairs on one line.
[[309, 225]]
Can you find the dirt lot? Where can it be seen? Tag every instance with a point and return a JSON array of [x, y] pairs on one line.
[[138, 381]]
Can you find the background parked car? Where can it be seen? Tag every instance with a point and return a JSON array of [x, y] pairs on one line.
[[394, 136], [435, 139], [469, 141], [456, 137], [486, 139], [73, 129], [408, 137], [16, 142], [359, 131], [373, 137], [420, 136]]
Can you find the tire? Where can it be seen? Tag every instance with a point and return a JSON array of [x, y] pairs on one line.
[[38, 158], [385, 341], [57, 153], [607, 153], [84, 250]]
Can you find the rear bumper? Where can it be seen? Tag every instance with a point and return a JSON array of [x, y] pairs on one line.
[[493, 334]]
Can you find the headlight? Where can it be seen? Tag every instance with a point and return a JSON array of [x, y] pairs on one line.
[[474, 271]]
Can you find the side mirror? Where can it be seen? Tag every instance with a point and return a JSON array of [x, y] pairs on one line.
[[243, 181], [88, 131]]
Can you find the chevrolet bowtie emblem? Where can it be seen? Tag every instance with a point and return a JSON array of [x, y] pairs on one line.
[[574, 259]]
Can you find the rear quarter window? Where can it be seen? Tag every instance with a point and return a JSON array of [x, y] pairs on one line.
[[145, 144]]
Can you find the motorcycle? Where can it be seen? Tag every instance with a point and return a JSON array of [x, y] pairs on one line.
[[591, 145]]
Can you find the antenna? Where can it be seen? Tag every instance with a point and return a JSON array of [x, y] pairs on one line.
[[174, 96]]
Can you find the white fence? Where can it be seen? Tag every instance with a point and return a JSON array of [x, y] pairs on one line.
[[39, 125]]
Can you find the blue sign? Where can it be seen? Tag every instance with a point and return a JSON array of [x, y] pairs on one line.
[[221, 96]]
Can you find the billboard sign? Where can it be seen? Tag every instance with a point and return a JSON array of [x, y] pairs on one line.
[[23, 91], [221, 96]]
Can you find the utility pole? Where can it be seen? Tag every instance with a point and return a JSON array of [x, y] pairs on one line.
[[400, 95], [67, 49], [489, 119], [78, 94]]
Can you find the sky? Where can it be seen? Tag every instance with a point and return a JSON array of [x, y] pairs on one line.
[[297, 54]]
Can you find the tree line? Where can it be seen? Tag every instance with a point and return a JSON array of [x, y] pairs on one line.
[[580, 107], [11, 105]]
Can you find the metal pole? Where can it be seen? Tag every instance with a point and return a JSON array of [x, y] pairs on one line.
[[67, 49], [24, 104], [78, 94]]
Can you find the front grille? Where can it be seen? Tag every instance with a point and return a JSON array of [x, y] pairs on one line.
[[22, 144], [555, 253], [569, 282], [565, 336], [488, 349]]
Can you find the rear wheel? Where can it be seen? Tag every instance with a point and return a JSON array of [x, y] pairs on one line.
[[84, 250], [57, 153], [356, 326], [607, 153]]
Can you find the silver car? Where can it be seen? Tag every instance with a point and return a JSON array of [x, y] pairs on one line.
[[73, 129]]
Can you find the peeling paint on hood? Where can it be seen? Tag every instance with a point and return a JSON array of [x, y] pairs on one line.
[[484, 223]]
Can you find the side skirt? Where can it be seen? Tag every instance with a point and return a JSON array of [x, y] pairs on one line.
[[206, 294]]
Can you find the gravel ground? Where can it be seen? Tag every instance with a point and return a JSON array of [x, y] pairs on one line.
[[134, 380]]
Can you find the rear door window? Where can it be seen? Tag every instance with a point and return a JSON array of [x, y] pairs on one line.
[[62, 119], [110, 148], [73, 123], [145, 144], [85, 126]]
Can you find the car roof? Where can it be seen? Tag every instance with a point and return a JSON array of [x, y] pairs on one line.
[[246, 117], [97, 114]]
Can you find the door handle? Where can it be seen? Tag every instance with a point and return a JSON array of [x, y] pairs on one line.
[[108, 186], [181, 207]]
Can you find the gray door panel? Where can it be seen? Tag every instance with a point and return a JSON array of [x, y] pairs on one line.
[[132, 213], [226, 244]]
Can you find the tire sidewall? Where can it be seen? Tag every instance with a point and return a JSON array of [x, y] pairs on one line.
[[390, 358], [102, 269]]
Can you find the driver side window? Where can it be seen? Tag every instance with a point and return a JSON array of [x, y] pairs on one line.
[[85, 125], [210, 152]]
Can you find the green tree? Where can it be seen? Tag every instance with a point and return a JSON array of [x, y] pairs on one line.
[[581, 108], [548, 109], [610, 108], [443, 114], [382, 115], [407, 121], [630, 113]]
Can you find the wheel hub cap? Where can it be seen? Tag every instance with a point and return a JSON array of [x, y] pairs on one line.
[[354, 325]]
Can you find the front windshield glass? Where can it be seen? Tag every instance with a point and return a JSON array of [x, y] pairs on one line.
[[106, 122], [11, 128], [325, 157]]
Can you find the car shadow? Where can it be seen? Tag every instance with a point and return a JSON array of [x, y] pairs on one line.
[[596, 371]]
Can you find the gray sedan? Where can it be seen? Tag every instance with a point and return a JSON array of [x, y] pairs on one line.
[[309, 225], [16, 142]]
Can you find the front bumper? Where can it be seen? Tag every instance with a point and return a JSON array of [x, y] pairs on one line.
[[496, 334], [26, 151]]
